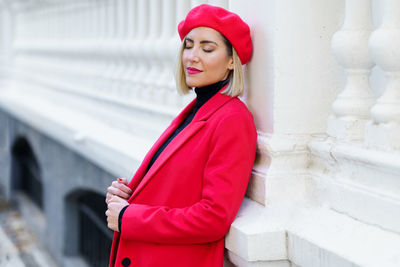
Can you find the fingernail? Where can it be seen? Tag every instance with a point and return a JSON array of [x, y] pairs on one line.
[[120, 179]]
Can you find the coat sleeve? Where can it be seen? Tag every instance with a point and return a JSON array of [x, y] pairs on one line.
[[226, 175]]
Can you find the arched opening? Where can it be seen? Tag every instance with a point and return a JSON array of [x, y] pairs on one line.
[[86, 212], [26, 175]]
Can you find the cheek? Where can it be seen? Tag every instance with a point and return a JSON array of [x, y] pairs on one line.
[[217, 64], [184, 58], [184, 61]]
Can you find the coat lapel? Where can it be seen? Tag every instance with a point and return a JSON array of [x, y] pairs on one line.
[[141, 171], [199, 120]]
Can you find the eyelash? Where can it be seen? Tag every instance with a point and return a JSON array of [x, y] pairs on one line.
[[205, 50]]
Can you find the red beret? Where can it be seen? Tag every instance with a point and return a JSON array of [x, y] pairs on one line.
[[227, 23]]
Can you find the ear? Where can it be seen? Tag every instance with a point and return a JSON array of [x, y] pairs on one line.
[[230, 63]]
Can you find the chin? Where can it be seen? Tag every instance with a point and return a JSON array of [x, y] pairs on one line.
[[197, 83], [193, 84]]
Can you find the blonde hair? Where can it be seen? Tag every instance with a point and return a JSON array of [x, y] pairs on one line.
[[235, 86]]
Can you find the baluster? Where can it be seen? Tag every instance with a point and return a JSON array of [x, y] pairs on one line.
[[220, 3], [112, 52], [32, 22], [151, 49], [93, 27], [39, 24], [166, 40], [47, 21], [98, 35], [55, 21], [350, 47], [97, 81], [121, 59], [194, 3], [110, 10], [107, 64], [84, 17], [78, 31], [90, 33], [131, 21], [117, 14], [63, 19], [50, 24], [41, 21], [102, 15], [121, 23], [72, 25], [70, 22], [137, 48], [183, 7], [384, 129]]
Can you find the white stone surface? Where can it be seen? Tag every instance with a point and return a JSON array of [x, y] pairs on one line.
[[308, 236]]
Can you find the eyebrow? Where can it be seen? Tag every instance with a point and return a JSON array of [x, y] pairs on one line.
[[202, 42]]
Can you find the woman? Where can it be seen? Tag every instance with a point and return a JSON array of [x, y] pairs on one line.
[[183, 198]]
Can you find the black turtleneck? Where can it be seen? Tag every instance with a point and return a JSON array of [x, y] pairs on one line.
[[203, 94]]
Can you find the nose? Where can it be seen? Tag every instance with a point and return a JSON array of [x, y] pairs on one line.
[[194, 54]]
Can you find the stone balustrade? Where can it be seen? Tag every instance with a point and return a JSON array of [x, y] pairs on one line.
[[356, 113], [356, 168], [119, 51], [350, 46]]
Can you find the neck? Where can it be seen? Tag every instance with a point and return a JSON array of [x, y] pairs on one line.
[[204, 93]]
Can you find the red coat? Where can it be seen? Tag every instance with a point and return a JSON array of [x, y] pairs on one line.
[[181, 209]]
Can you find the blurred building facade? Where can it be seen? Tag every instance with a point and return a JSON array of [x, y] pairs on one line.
[[87, 86]]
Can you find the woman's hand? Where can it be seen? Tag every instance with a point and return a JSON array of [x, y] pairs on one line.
[[118, 188], [115, 205]]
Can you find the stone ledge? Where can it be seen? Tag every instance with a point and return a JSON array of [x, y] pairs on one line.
[[307, 236], [358, 181], [116, 151], [254, 240]]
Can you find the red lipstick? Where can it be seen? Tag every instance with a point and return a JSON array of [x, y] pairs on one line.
[[191, 70]]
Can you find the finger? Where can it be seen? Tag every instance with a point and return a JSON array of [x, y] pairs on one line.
[[122, 187], [108, 197], [123, 181], [109, 188], [113, 199], [118, 192]]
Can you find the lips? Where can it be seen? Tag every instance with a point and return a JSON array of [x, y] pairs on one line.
[[191, 70]]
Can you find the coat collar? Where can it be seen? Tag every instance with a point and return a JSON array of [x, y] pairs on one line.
[[211, 106]]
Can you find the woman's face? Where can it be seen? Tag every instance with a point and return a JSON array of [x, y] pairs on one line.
[[205, 58]]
